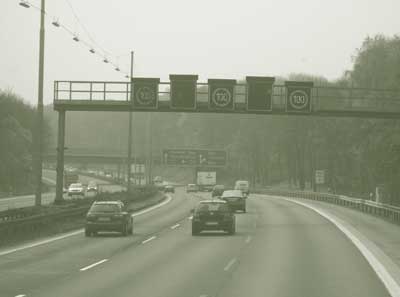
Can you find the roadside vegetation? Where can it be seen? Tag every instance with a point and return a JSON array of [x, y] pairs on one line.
[[17, 122]]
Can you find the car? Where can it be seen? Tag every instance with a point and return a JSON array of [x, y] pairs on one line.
[[235, 199], [213, 215], [108, 216], [191, 188], [76, 189], [92, 187], [169, 189], [243, 185], [217, 190]]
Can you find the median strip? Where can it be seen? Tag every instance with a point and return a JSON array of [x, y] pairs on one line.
[[93, 265], [76, 232], [149, 239]]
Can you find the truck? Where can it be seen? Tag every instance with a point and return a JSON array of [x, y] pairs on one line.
[[70, 177], [206, 180]]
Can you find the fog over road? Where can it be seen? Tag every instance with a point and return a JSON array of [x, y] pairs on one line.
[[280, 249]]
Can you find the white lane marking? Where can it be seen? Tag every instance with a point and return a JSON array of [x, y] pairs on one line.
[[93, 265], [191, 217], [203, 295], [230, 264], [21, 295], [175, 226], [390, 284], [40, 242], [149, 239], [248, 239], [52, 239], [152, 207]]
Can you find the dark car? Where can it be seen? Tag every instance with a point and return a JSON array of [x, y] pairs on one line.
[[213, 215], [108, 216], [169, 189], [235, 199], [217, 190]]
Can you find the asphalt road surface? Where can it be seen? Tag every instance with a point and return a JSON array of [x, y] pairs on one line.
[[47, 198], [280, 249]]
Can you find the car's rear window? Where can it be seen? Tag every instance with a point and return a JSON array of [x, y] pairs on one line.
[[76, 185], [104, 208], [232, 193], [212, 207]]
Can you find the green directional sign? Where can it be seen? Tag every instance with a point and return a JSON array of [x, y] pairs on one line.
[[220, 94], [194, 157], [259, 93], [145, 92], [298, 96], [183, 91]]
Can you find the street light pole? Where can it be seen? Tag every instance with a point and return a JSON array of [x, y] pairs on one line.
[[39, 128], [130, 132]]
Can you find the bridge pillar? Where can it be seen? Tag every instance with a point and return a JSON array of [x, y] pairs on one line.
[[60, 156]]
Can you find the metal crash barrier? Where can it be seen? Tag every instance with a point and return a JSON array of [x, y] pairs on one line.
[[386, 211]]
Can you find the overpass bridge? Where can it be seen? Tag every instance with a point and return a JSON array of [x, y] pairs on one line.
[[94, 156]]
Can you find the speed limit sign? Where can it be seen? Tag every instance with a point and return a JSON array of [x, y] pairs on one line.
[[298, 97]]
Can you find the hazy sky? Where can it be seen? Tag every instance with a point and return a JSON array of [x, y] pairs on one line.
[[212, 38]]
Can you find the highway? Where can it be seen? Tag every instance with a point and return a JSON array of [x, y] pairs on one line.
[[280, 249], [47, 198]]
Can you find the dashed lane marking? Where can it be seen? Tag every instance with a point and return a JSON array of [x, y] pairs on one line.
[[93, 265], [230, 264], [149, 239], [175, 226]]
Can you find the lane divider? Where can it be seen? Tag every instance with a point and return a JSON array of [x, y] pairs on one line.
[[93, 265], [248, 239], [149, 239], [74, 233], [175, 226], [391, 285], [21, 295], [230, 264]]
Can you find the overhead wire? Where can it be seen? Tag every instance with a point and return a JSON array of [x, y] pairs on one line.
[[93, 46]]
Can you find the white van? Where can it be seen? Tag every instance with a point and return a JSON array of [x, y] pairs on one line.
[[242, 185]]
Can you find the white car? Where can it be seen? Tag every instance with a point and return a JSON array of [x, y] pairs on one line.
[[76, 189]]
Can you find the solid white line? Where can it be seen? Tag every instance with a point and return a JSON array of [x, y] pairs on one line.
[[21, 295], [149, 239], [230, 264], [175, 226], [93, 265], [390, 284], [152, 207], [52, 239], [28, 246], [248, 239]]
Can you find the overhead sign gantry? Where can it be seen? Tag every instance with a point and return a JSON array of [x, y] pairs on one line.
[[257, 95]]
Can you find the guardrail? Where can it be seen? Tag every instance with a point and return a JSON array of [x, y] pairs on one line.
[[386, 211]]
